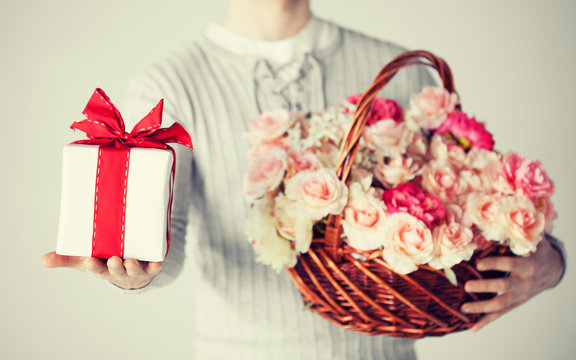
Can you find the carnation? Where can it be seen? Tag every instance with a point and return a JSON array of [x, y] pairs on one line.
[[466, 130], [411, 199], [381, 109]]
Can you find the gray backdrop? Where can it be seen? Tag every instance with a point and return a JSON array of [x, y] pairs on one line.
[[514, 68]]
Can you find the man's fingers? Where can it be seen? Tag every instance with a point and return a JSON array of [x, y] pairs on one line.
[[96, 267], [504, 263], [498, 303], [53, 260], [154, 268], [499, 286], [134, 268], [115, 267]]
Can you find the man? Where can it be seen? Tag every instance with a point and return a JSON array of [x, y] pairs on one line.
[[267, 54]]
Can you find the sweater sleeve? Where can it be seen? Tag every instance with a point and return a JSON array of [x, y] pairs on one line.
[[141, 96]]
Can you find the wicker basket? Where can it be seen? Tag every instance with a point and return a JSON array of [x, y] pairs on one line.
[[357, 289]]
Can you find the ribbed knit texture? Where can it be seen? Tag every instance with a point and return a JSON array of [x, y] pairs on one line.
[[245, 310]]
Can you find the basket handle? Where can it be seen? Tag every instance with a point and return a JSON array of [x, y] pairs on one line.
[[333, 240]]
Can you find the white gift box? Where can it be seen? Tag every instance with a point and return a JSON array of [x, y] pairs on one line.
[[147, 202]]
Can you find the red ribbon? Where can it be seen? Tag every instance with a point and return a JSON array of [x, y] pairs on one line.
[[104, 126]]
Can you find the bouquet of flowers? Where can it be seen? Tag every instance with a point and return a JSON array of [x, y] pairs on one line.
[[425, 185]]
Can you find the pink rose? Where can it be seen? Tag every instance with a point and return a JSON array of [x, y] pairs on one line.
[[363, 220], [411, 199], [466, 130], [270, 125], [453, 244], [408, 242], [262, 148], [443, 181], [397, 170], [526, 177], [381, 109], [524, 225], [298, 162], [388, 138], [317, 193], [265, 173], [429, 108]]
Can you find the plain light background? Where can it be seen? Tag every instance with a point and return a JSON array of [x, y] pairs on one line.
[[514, 68]]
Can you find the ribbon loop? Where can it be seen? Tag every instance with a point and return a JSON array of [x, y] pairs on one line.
[[104, 123]]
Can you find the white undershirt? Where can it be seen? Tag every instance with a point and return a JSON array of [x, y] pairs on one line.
[[316, 35]]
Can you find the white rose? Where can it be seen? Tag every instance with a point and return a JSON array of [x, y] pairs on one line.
[[270, 247], [388, 138]]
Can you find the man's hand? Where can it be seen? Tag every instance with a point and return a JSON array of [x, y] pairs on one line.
[[130, 274], [528, 277]]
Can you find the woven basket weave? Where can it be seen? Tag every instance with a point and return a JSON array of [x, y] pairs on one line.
[[357, 289]]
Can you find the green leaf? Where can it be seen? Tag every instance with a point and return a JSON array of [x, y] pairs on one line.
[[451, 276]]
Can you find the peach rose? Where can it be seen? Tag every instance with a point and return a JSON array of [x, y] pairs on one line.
[[270, 125], [485, 211], [443, 181], [396, 170], [546, 207], [478, 158], [453, 244], [524, 225], [317, 193], [446, 150], [388, 138], [363, 221], [429, 108], [419, 146], [408, 242], [265, 173]]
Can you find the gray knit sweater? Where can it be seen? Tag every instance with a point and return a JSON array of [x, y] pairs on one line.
[[245, 310]]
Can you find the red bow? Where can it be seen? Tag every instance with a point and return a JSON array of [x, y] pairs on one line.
[[104, 125]]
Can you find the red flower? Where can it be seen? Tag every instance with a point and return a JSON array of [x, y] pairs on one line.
[[411, 199], [466, 130], [381, 109]]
